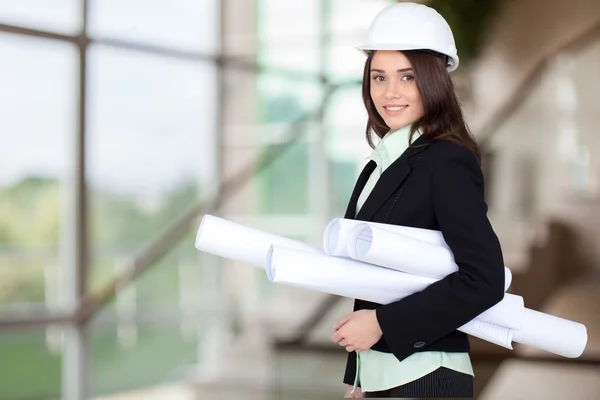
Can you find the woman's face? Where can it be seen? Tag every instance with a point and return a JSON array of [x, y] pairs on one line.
[[394, 89]]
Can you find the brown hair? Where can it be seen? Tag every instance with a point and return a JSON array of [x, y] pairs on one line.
[[443, 116]]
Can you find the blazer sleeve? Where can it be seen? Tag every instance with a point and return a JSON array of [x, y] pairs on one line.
[[420, 319]]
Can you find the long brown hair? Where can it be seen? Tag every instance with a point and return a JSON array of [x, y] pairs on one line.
[[443, 116]]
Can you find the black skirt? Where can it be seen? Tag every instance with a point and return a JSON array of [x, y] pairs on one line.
[[441, 383]]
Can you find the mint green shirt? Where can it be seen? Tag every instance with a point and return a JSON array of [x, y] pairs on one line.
[[375, 370]]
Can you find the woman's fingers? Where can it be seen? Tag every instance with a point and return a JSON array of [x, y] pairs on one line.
[[341, 322], [337, 336]]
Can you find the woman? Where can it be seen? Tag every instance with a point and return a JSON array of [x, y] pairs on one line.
[[411, 348]]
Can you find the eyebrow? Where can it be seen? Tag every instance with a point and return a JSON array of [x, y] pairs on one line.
[[398, 71]]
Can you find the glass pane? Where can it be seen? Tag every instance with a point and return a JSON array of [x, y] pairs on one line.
[[150, 333], [151, 148], [30, 365], [345, 62], [295, 19], [187, 24], [350, 20], [38, 113], [284, 184], [346, 145], [288, 34], [300, 57], [284, 101], [128, 356], [62, 16]]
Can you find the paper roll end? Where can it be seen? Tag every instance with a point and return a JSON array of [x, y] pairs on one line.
[[583, 340], [270, 267], [507, 278], [354, 248], [198, 240], [331, 235], [553, 334]]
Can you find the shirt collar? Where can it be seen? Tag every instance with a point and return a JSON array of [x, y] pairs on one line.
[[394, 143]]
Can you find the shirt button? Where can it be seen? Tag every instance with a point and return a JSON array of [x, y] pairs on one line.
[[419, 344]]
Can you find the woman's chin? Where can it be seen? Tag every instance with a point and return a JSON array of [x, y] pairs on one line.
[[394, 126], [397, 123]]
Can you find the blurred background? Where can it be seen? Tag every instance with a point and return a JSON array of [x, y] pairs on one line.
[[124, 121]]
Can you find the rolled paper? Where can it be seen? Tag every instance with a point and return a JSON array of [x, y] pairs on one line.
[[348, 278], [332, 271], [335, 234], [553, 334], [376, 245], [237, 242], [354, 279]]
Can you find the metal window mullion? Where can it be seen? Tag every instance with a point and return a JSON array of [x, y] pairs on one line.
[[76, 352]]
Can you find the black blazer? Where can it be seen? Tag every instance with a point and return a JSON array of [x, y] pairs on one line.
[[434, 185]]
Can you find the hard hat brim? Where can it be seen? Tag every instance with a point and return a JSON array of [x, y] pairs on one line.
[[366, 49]]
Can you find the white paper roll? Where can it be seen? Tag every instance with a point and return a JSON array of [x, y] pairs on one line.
[[350, 278], [553, 334], [375, 245], [335, 235], [354, 279], [295, 263], [238, 242], [495, 334]]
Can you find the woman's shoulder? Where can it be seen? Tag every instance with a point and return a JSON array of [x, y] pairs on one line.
[[450, 149], [448, 156]]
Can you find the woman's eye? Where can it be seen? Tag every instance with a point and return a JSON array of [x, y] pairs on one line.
[[408, 78], [379, 78]]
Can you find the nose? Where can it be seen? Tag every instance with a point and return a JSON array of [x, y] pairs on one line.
[[391, 92]]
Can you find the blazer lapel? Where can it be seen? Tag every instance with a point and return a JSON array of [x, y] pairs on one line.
[[358, 188], [390, 180]]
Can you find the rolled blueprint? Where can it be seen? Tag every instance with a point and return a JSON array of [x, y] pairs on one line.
[[553, 334], [371, 244], [238, 242], [351, 278], [335, 235], [416, 251]]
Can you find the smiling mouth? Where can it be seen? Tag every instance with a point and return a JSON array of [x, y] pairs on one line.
[[394, 110]]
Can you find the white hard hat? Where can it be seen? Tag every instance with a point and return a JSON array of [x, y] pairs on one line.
[[411, 26]]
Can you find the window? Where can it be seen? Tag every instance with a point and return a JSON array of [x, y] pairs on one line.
[[29, 366], [150, 147], [37, 110], [185, 24], [288, 34], [347, 150], [350, 20], [284, 185], [63, 16], [38, 114]]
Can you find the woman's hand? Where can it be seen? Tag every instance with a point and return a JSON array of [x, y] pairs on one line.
[[357, 331], [356, 395]]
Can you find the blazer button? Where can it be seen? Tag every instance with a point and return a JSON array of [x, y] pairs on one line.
[[419, 344]]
